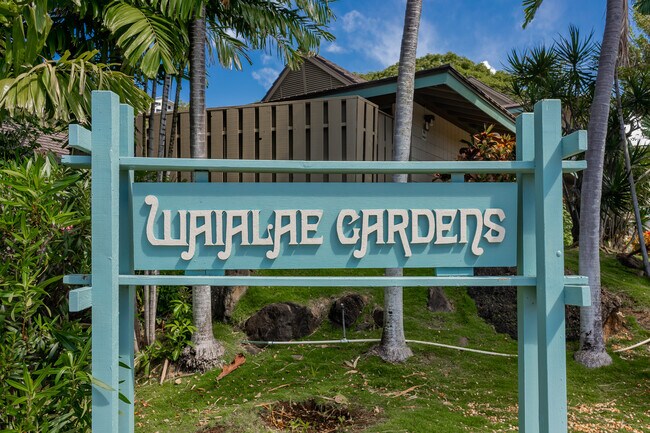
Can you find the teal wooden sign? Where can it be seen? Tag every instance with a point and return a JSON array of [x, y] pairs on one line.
[[205, 228], [334, 225]]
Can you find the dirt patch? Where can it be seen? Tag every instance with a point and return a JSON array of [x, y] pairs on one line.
[[313, 417]]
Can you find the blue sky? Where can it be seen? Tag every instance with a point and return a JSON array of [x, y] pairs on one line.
[[368, 34]]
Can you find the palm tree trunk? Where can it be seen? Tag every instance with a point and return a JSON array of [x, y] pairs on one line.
[[143, 136], [154, 84], [162, 132], [393, 346], [206, 351], [630, 176], [592, 345], [172, 133]]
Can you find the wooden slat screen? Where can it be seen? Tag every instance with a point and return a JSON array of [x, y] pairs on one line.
[[335, 129]]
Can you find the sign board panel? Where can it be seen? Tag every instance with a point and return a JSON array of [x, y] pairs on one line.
[[204, 226]]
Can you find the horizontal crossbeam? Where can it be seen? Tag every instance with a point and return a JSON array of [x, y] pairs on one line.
[[210, 280], [574, 144], [578, 295], [79, 138], [80, 299], [276, 166]]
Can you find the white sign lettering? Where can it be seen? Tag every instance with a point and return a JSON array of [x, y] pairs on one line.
[[360, 229]]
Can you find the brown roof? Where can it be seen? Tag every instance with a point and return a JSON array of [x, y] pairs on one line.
[[54, 142], [310, 81], [501, 98], [484, 91], [349, 76]]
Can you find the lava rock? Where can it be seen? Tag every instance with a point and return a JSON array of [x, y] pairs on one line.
[[378, 317], [281, 322], [498, 306], [438, 302], [351, 305]]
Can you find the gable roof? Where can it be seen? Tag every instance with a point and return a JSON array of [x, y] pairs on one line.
[[469, 104], [315, 74]]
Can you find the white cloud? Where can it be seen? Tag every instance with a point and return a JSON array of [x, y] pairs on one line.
[[335, 48], [351, 19], [266, 59], [487, 65], [380, 39], [266, 76]]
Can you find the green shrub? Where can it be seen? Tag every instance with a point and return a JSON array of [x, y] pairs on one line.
[[44, 355]]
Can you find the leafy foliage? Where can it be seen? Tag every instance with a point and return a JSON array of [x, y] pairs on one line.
[[18, 140], [39, 77], [145, 37], [530, 9], [176, 320], [564, 70], [500, 80], [44, 356], [488, 146]]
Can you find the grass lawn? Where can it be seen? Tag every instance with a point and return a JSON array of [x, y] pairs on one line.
[[437, 390]]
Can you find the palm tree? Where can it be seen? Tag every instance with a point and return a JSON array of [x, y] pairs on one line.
[[206, 350], [393, 346], [592, 351], [256, 21]]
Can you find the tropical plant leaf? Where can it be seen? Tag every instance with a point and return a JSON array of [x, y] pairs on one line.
[[60, 90], [148, 39], [530, 9]]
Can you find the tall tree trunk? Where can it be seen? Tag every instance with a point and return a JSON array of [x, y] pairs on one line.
[[150, 292], [630, 176], [172, 133], [143, 133], [162, 132], [592, 345], [154, 84], [206, 351], [393, 346]]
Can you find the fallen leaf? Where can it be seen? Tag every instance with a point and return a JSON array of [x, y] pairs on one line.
[[340, 399], [227, 369]]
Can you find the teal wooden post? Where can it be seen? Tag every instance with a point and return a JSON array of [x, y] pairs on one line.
[[526, 296], [127, 293], [550, 268], [105, 259]]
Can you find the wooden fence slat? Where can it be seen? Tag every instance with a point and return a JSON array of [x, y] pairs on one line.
[[216, 141], [334, 128], [248, 140], [389, 145], [369, 138], [316, 131], [351, 133], [361, 125], [139, 134], [266, 141], [282, 138], [299, 137], [185, 142], [381, 142], [232, 140]]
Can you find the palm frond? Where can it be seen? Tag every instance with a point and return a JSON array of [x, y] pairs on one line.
[[59, 90], [530, 9], [642, 6], [148, 39]]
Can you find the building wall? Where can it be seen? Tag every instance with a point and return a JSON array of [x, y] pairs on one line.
[[440, 143]]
